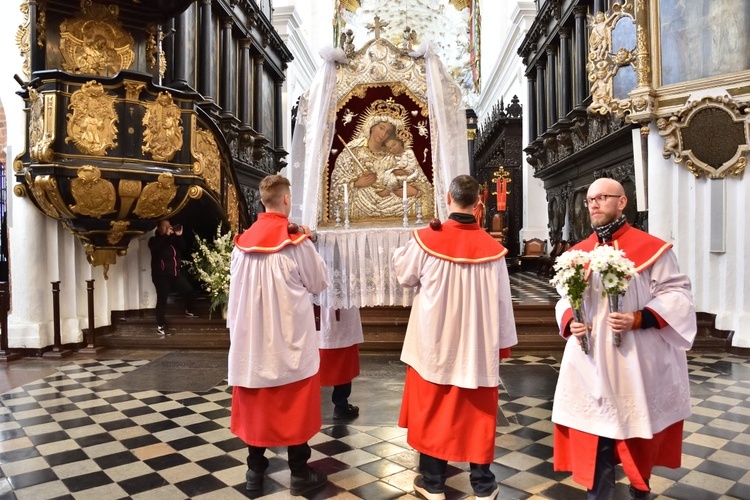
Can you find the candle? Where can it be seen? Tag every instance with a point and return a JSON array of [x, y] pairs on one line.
[[346, 193], [404, 191]]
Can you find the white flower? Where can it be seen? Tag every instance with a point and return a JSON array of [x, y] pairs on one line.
[[614, 268], [211, 263]]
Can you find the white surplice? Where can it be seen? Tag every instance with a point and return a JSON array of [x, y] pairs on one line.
[[344, 332], [456, 338], [270, 316], [641, 387]]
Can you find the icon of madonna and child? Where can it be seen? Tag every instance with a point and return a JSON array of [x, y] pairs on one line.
[[371, 168]]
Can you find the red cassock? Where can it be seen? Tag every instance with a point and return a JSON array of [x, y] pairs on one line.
[[339, 366], [576, 451], [449, 422], [256, 413]]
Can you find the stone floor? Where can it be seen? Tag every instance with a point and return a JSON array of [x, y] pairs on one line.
[[152, 424]]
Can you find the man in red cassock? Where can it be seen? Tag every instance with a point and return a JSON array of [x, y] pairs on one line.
[[461, 323], [273, 355], [340, 336], [624, 403]]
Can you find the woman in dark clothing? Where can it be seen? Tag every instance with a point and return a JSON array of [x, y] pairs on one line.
[[167, 247]]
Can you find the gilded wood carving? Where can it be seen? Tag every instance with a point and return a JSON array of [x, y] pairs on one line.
[[162, 135], [41, 126], [128, 190], [94, 196], [155, 197], [117, 231], [712, 137], [207, 158], [95, 43], [233, 212], [92, 126]]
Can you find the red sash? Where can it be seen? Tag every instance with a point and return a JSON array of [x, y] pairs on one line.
[[462, 243], [269, 234]]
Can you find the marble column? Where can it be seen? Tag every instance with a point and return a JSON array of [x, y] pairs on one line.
[[245, 84], [541, 99], [531, 81], [580, 55], [184, 39], [207, 57], [278, 119], [566, 82], [551, 85], [226, 96], [258, 60]]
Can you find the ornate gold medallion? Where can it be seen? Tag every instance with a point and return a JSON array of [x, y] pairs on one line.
[[94, 196], [95, 42], [155, 197], [162, 136], [208, 160], [93, 124]]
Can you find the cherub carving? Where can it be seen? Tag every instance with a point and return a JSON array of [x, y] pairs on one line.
[[600, 38], [668, 131]]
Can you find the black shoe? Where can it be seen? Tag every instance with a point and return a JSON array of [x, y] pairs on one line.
[[161, 330], [254, 480], [420, 489], [346, 412], [309, 481], [636, 493], [189, 314]]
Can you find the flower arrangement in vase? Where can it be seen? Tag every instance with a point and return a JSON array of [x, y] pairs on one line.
[[210, 264]]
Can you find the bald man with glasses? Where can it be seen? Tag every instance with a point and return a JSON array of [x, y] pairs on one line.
[[624, 404]]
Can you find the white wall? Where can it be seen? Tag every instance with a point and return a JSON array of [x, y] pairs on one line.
[[680, 213], [504, 26]]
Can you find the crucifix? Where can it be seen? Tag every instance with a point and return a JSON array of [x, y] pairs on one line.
[[376, 27]]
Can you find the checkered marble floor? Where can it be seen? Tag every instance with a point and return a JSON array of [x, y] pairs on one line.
[[528, 288], [62, 437]]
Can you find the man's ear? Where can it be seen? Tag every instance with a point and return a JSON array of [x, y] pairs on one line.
[[448, 198]]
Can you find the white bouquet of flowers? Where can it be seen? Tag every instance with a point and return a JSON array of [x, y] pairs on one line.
[[210, 264], [570, 279], [616, 271]]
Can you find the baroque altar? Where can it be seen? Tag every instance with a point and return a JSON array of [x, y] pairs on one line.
[[379, 136]]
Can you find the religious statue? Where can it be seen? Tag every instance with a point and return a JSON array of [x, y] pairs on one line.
[[371, 171]]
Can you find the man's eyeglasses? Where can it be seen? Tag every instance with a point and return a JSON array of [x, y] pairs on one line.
[[599, 199]]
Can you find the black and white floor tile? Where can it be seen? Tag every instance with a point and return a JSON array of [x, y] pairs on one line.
[[70, 435]]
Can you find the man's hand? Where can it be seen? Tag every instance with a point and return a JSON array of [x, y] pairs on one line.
[[309, 232], [620, 322]]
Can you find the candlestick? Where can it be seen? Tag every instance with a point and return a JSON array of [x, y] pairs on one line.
[[338, 216], [346, 215], [419, 213], [406, 208]]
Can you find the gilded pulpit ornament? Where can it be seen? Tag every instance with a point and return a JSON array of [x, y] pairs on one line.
[[92, 126], [233, 212], [37, 186], [208, 160], [155, 197], [712, 137], [128, 191], [95, 42], [94, 196], [41, 126], [117, 231], [162, 135], [23, 42]]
